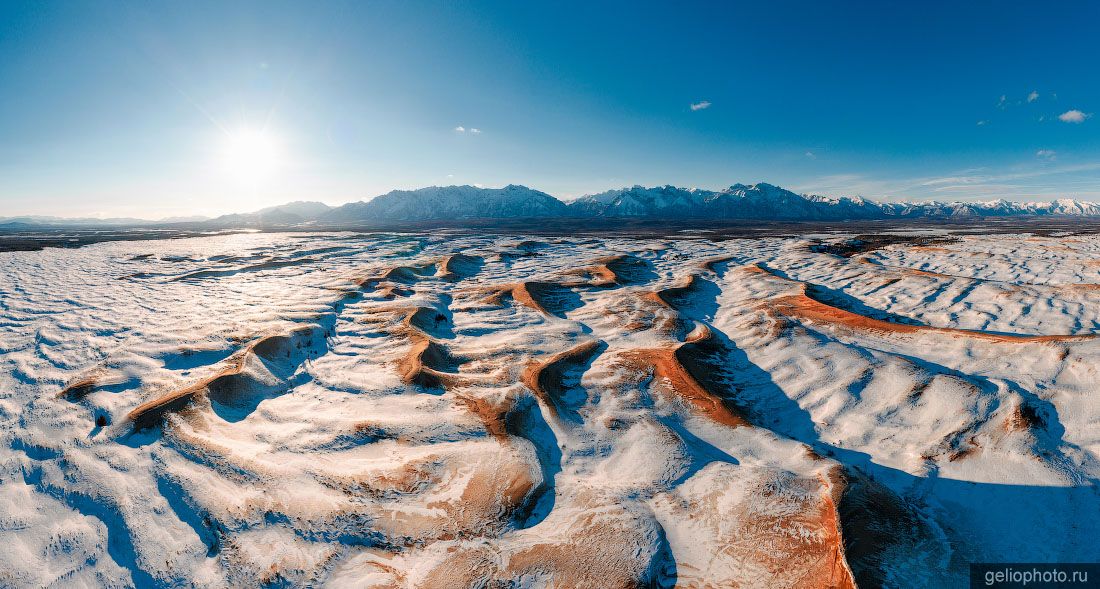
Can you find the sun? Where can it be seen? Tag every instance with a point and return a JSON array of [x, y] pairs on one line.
[[250, 155]]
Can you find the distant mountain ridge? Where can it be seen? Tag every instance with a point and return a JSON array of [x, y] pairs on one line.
[[292, 213], [451, 202], [738, 202], [765, 201], [47, 220]]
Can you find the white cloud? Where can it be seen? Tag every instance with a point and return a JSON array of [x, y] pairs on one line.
[[1073, 116], [475, 130], [1002, 101], [1039, 180], [983, 123], [1047, 154], [460, 129], [952, 180], [1033, 96], [702, 104], [811, 155]]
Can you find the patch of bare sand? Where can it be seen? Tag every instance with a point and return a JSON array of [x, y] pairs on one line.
[[684, 370], [231, 377], [546, 377], [803, 307]]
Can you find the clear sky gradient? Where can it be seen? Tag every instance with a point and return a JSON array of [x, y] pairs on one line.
[[131, 109]]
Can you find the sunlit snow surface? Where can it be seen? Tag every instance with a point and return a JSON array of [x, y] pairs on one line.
[[368, 411]]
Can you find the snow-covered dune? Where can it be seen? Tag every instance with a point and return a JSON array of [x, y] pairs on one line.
[[442, 410]]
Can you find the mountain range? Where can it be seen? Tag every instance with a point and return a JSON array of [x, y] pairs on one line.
[[457, 203]]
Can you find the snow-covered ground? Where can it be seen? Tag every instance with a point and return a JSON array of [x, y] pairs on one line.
[[439, 410]]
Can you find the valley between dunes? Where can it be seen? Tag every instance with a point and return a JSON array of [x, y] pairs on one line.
[[447, 410]]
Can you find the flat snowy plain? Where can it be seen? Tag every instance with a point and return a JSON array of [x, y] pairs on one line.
[[393, 410]]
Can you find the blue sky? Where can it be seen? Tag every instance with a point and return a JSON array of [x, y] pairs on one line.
[[138, 108]]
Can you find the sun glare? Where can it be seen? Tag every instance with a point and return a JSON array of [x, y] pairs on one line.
[[250, 155]]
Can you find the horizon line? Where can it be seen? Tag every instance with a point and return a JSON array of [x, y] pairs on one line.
[[566, 200]]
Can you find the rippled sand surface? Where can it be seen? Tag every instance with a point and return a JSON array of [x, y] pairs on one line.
[[392, 410]]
